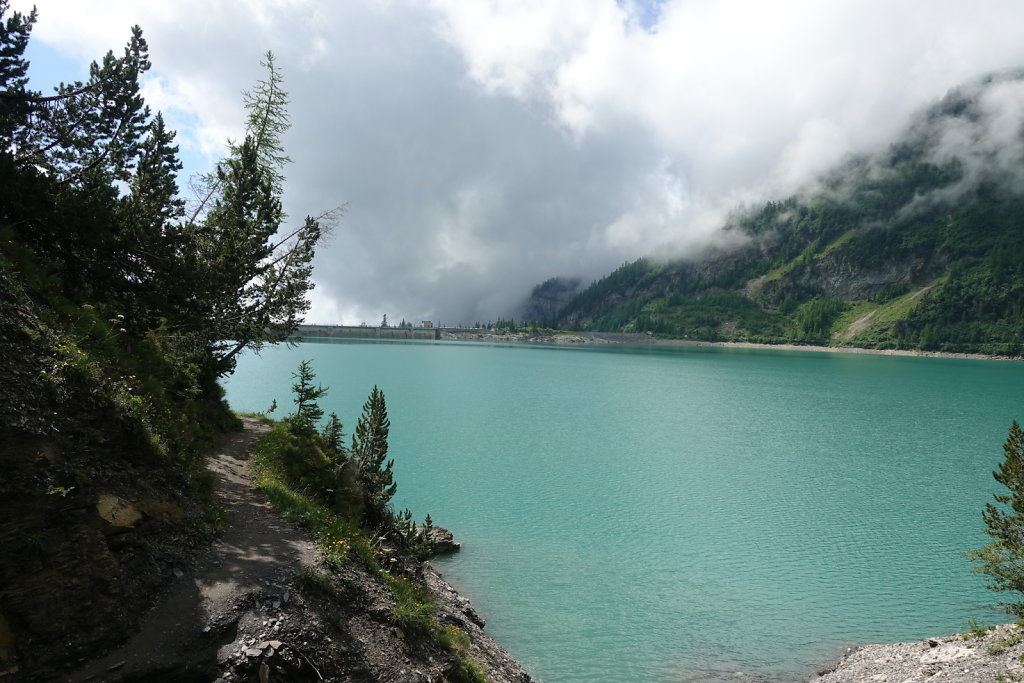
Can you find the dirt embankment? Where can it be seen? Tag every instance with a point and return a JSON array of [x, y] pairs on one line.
[[258, 605]]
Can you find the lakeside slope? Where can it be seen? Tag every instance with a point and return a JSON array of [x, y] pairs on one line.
[[264, 603]]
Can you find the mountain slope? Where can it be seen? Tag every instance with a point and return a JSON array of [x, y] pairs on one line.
[[919, 247]]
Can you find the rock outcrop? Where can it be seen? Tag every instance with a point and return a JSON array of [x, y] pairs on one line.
[[440, 539]]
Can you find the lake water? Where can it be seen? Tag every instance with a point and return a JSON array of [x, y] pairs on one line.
[[684, 514]]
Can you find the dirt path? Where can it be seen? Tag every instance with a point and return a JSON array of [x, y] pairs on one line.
[[195, 625]]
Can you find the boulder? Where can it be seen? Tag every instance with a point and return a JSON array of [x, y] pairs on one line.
[[441, 540]]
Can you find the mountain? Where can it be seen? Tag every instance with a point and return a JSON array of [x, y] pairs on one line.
[[547, 298], [920, 246]]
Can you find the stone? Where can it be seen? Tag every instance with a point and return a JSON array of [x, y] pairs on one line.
[[162, 510], [177, 573], [253, 652], [947, 653], [117, 512], [441, 540]]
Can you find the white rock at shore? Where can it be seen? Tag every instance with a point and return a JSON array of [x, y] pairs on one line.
[[960, 658]]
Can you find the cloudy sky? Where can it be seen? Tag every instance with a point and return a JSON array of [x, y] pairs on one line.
[[483, 146]]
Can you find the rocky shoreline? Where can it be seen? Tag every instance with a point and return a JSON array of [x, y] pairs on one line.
[[591, 338], [541, 338], [992, 654], [835, 349]]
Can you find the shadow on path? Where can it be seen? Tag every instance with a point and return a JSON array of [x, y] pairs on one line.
[[179, 639]]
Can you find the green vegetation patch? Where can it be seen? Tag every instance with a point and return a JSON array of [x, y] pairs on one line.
[[877, 326], [341, 496]]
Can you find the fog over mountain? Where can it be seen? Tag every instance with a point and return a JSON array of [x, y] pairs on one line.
[[483, 147]]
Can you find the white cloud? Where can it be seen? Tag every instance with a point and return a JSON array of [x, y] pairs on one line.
[[486, 145]]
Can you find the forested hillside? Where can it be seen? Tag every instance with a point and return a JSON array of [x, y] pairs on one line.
[[121, 304], [919, 247]]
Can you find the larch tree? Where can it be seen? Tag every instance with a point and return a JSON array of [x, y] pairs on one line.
[[250, 270]]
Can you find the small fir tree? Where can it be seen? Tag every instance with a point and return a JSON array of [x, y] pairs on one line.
[[307, 411], [334, 438], [370, 452], [1002, 560]]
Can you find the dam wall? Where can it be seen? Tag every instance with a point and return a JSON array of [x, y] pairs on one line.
[[365, 332]]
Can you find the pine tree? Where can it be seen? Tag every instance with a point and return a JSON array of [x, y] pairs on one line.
[[150, 215], [89, 133], [370, 451], [334, 438], [307, 411], [152, 202], [1003, 558], [89, 186], [15, 100]]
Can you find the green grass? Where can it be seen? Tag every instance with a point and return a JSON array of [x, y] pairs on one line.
[[975, 630], [456, 641], [879, 332], [337, 538], [839, 241], [809, 251], [415, 607], [262, 417], [1004, 643], [841, 327]]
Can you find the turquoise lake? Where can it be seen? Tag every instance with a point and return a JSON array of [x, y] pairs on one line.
[[684, 514]]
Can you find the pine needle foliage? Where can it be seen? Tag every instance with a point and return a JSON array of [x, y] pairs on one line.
[[334, 439], [268, 119], [1002, 560], [370, 452], [307, 410]]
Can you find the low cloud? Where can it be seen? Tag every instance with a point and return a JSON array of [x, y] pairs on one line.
[[483, 147]]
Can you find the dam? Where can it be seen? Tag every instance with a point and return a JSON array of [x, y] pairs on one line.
[[366, 332]]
